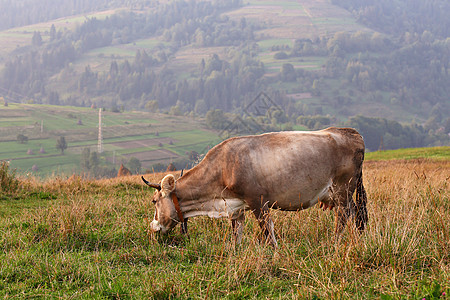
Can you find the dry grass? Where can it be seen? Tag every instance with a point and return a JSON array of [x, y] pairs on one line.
[[92, 239]]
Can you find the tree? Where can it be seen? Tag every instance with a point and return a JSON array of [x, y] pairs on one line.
[[22, 138], [176, 111], [52, 32], [135, 165], [85, 154], [216, 119], [61, 144], [193, 155], [288, 73], [36, 39], [94, 161], [200, 107], [280, 55], [152, 105], [315, 88]]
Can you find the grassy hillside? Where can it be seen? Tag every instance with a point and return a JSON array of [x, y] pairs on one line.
[[152, 138], [91, 239], [435, 153]]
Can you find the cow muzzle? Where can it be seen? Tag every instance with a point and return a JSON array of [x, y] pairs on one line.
[[155, 226]]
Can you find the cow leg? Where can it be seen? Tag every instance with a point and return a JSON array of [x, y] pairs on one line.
[[342, 215], [266, 224], [237, 222], [346, 208], [184, 228]]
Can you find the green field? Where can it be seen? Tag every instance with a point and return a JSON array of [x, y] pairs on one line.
[[125, 135], [86, 239], [283, 4], [266, 44], [436, 153], [99, 59]]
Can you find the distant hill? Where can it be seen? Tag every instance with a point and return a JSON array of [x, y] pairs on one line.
[[312, 59]]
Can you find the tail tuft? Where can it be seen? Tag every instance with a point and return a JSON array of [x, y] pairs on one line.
[[361, 202]]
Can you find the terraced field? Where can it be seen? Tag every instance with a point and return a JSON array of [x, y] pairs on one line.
[[152, 138]]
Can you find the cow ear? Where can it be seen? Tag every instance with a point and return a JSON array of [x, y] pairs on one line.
[[168, 184]]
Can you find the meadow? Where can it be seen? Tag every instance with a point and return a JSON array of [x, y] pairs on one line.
[[81, 238], [127, 134]]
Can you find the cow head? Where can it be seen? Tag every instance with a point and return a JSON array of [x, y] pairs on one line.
[[166, 216]]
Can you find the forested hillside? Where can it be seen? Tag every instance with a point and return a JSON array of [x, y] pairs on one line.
[[395, 70], [400, 17], [25, 12]]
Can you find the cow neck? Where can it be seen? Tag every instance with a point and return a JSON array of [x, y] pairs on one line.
[[176, 203], [195, 187], [197, 192]]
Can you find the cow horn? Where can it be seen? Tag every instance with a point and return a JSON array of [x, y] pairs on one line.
[[153, 185]]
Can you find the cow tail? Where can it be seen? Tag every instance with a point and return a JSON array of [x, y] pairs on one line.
[[361, 202]]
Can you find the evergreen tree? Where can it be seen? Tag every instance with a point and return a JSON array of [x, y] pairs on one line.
[[61, 144], [36, 40]]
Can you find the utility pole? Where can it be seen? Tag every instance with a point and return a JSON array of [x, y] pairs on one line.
[[100, 137]]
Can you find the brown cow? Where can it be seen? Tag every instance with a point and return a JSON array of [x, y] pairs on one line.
[[284, 170]]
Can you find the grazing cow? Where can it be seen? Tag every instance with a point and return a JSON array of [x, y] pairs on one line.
[[283, 170]]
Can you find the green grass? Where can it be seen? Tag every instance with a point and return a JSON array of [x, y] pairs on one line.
[[265, 45], [126, 50], [273, 65], [59, 164], [91, 239], [99, 59], [11, 150], [283, 4], [333, 21], [438, 153], [56, 118]]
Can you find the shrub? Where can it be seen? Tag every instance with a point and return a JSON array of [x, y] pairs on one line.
[[8, 182], [22, 138], [158, 167], [280, 55]]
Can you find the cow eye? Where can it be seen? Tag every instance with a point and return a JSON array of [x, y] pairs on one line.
[[154, 201]]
